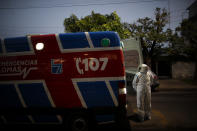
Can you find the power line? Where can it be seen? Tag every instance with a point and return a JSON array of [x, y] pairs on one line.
[[5, 26], [73, 5]]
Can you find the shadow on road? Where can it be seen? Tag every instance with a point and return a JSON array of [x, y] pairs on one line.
[[134, 117]]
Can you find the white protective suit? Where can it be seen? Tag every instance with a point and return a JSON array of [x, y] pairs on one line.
[[141, 83]]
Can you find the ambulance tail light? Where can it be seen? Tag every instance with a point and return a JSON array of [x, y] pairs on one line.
[[122, 93]]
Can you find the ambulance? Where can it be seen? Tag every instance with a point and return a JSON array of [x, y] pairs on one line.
[[71, 78]]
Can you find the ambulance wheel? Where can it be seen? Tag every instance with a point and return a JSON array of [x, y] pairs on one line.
[[78, 122]]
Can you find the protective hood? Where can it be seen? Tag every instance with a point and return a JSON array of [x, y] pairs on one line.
[[143, 68]]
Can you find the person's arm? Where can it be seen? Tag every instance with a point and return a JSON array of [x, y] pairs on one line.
[[135, 81], [151, 77]]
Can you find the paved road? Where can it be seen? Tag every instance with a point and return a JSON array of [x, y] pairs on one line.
[[170, 111], [174, 111]]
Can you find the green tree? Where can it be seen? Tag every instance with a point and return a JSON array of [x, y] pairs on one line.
[[96, 22], [188, 31], [176, 46], [70, 24], [184, 42], [151, 33]]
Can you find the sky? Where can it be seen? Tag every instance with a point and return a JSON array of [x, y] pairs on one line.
[[22, 17]]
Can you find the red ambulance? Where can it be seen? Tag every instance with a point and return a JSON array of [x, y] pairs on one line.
[[72, 78]]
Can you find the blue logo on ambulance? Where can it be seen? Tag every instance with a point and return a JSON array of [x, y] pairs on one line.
[[56, 66]]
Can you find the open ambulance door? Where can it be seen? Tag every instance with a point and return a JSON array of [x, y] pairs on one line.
[[133, 59]]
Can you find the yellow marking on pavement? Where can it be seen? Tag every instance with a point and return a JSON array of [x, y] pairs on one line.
[[163, 121]]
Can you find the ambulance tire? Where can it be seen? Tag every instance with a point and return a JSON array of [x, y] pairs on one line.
[[78, 122]]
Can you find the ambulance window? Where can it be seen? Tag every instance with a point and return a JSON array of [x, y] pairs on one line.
[[39, 46], [131, 58]]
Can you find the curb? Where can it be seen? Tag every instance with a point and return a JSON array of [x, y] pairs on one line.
[[176, 89]]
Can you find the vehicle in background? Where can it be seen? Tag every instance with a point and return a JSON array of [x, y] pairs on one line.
[[155, 84]]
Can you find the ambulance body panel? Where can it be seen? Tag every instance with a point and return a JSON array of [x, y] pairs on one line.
[[61, 72]]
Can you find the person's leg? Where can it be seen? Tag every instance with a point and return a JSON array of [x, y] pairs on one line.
[[147, 105], [140, 105]]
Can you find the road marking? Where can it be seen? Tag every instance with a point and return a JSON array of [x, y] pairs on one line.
[[164, 121]]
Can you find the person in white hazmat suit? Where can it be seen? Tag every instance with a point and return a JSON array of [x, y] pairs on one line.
[[142, 85]]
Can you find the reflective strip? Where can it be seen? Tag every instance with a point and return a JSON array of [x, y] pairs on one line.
[[3, 47], [36, 95], [99, 79], [18, 46], [123, 91], [30, 44], [85, 86], [59, 42], [112, 93], [79, 94], [83, 42], [89, 40], [95, 94], [32, 93], [23, 102], [9, 98]]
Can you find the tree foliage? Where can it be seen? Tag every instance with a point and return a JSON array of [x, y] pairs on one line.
[[184, 42], [188, 30], [96, 22], [176, 45], [151, 33]]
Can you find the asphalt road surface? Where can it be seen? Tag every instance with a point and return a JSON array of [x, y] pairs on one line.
[[174, 111], [170, 111]]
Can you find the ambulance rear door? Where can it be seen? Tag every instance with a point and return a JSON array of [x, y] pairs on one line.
[[133, 58]]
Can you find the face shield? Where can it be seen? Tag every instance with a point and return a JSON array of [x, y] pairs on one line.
[[143, 68]]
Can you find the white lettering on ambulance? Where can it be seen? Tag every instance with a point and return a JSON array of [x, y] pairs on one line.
[[105, 61], [17, 67], [91, 63], [94, 64]]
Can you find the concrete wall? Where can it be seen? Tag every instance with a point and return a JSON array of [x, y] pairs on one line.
[[183, 70]]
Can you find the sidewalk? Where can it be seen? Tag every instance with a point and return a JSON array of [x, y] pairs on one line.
[[175, 85]]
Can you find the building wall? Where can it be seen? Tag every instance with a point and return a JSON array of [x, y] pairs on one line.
[[193, 10], [183, 70]]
